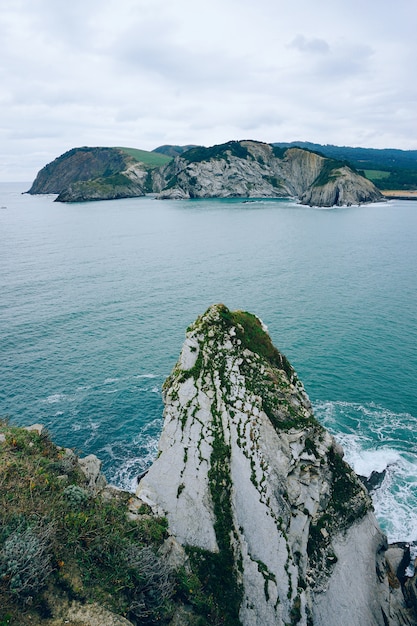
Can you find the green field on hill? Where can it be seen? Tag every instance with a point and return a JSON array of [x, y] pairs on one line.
[[151, 159]]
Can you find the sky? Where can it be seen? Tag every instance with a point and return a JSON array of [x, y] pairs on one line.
[[144, 73]]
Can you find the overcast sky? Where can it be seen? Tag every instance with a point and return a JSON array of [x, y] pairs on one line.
[[143, 73]]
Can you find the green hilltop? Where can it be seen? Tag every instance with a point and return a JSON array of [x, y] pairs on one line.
[[150, 159]]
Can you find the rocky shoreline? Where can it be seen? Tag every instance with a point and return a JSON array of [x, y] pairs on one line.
[[249, 510], [237, 169]]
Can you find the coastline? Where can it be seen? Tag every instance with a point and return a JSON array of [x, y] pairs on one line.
[[399, 194]]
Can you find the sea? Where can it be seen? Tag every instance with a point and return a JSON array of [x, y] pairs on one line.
[[95, 299]]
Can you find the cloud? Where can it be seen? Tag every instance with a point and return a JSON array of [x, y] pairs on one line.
[[313, 45], [148, 72]]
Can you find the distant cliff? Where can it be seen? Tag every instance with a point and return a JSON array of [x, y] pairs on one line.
[[83, 174], [250, 169], [243, 169], [277, 524]]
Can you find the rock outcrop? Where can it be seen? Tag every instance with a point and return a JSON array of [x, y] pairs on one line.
[[251, 169], [238, 169], [84, 174], [257, 491], [78, 164], [342, 188]]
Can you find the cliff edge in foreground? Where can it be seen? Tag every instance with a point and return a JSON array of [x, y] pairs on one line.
[[278, 525]]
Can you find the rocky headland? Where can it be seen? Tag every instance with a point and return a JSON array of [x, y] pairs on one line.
[[248, 516], [237, 169], [84, 174], [258, 492], [250, 169]]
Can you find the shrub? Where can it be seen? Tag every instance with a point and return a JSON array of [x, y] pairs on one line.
[[76, 497], [154, 583], [25, 560], [200, 153]]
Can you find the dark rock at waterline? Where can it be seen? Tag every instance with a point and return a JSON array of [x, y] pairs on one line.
[[374, 481]]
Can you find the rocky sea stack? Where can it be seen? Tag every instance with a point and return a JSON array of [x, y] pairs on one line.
[[278, 526], [248, 516]]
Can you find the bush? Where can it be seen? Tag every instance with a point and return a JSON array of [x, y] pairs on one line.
[[25, 560], [154, 583], [76, 497]]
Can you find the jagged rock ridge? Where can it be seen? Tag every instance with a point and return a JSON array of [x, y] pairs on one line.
[[257, 491], [259, 170], [246, 169]]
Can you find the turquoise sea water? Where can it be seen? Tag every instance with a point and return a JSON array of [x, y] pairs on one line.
[[95, 299]]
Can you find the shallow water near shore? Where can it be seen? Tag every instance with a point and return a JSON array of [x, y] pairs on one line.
[[96, 297]]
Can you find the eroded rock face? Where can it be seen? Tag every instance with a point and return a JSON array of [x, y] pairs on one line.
[[250, 169], [244, 471], [84, 174], [237, 169], [78, 164], [343, 188]]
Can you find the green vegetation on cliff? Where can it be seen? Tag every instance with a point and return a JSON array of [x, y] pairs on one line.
[[387, 168], [149, 159], [62, 542], [221, 151], [330, 171], [232, 169]]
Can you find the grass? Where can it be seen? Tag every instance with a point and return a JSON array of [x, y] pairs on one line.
[[256, 339], [376, 174], [328, 172], [150, 159], [60, 540]]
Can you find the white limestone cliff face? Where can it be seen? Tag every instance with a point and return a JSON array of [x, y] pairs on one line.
[[251, 169], [244, 471], [343, 188], [232, 176], [242, 169]]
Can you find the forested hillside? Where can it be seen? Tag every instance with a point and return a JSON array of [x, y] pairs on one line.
[[388, 168]]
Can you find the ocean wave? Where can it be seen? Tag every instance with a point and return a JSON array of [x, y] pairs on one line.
[[55, 398], [128, 461], [145, 376], [366, 461], [377, 439]]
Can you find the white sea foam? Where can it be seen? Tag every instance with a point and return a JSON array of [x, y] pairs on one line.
[[107, 381], [365, 461], [395, 503], [126, 468], [55, 398], [145, 376], [377, 439], [413, 556]]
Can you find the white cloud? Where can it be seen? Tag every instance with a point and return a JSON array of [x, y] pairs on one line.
[[148, 72], [313, 45]]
